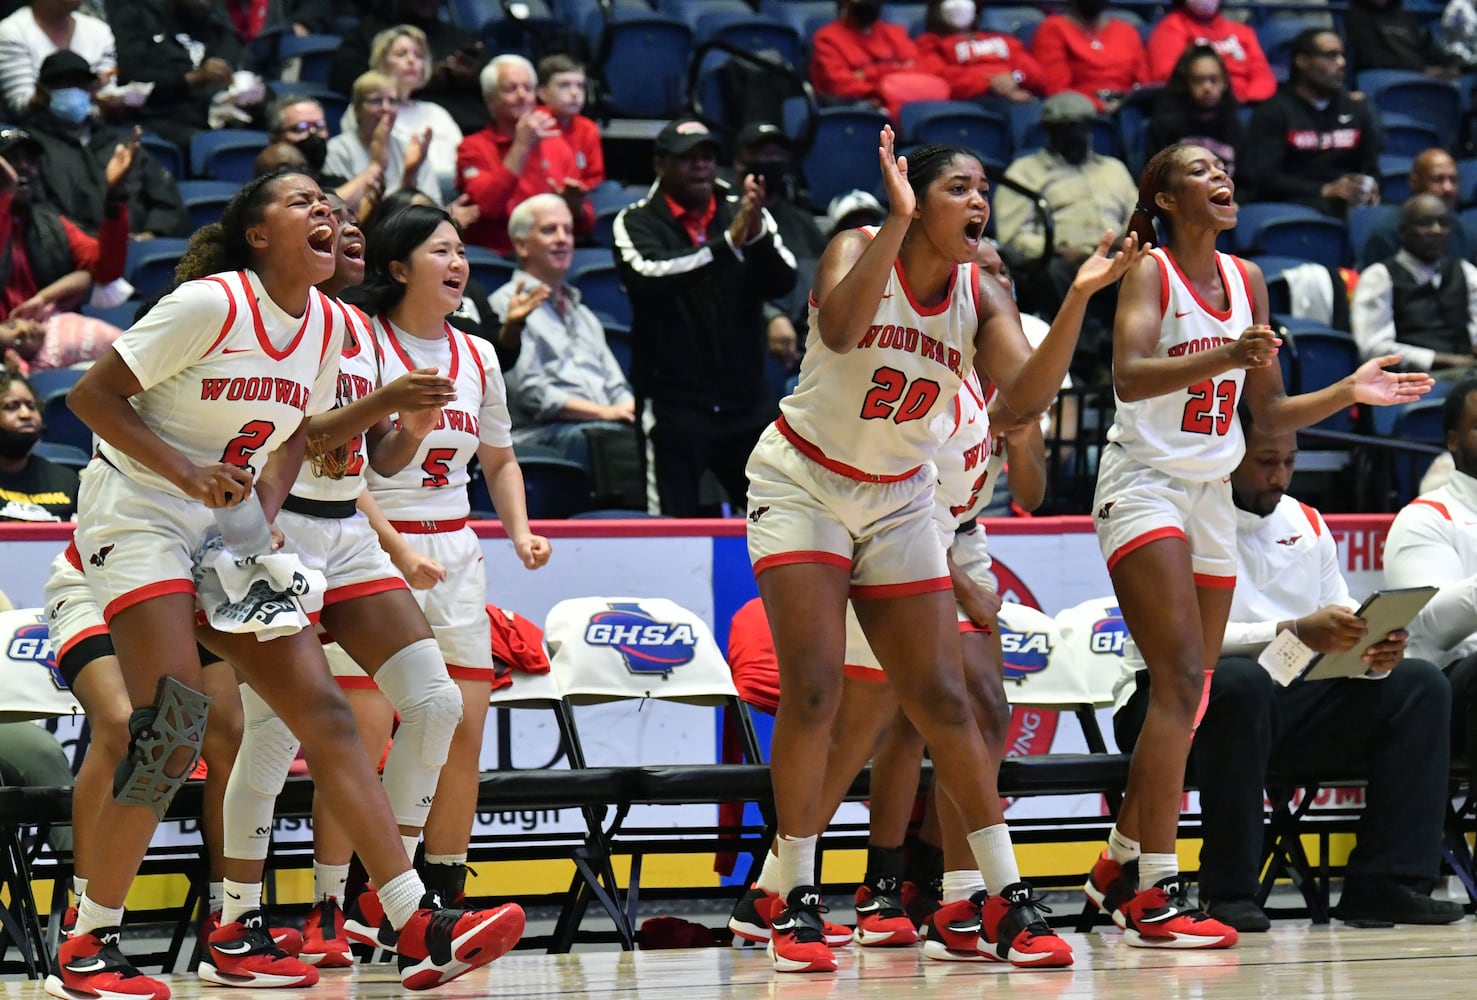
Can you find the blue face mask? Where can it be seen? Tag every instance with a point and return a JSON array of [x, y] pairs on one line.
[[71, 104]]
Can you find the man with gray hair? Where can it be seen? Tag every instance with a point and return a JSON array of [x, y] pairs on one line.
[[519, 154], [566, 381]]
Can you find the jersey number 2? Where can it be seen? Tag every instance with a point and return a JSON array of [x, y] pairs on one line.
[[435, 467], [888, 387], [1211, 408], [248, 442]]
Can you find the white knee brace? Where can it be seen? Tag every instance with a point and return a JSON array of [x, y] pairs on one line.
[[267, 751], [430, 706]]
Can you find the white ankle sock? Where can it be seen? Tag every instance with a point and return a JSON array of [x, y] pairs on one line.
[[447, 859], [330, 881], [401, 896], [217, 897], [769, 874], [1120, 848], [92, 916], [796, 861], [79, 886], [1154, 867], [995, 855], [240, 899], [960, 885]]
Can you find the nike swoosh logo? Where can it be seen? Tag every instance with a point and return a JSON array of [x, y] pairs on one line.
[[91, 965], [241, 947], [1181, 315]]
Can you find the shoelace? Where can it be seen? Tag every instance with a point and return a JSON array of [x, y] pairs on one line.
[[116, 962], [1037, 903], [261, 941], [443, 923], [808, 931]]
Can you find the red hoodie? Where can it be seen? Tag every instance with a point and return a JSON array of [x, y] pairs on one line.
[[1246, 65], [970, 60]]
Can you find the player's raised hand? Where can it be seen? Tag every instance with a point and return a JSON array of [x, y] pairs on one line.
[[1374, 385], [901, 201], [1255, 348], [1100, 270]]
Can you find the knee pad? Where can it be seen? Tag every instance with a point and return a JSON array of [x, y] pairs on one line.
[[427, 699], [267, 751], [152, 772]]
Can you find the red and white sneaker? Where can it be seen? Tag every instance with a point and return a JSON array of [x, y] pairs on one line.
[[1013, 930], [90, 967], [921, 899], [1110, 885], [289, 939], [797, 940], [242, 953], [1163, 917], [69, 920], [365, 921], [437, 945], [881, 921], [324, 944], [757, 909], [952, 933]]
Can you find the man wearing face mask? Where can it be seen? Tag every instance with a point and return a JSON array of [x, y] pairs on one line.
[[76, 147], [1199, 22], [854, 54], [1087, 193], [984, 66], [31, 488]]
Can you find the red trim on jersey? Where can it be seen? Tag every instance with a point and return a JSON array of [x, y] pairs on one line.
[[880, 590], [1432, 503], [1218, 314], [457, 672], [354, 591], [974, 286], [802, 556], [1163, 286], [938, 310], [147, 593], [323, 301], [858, 672], [73, 556], [352, 346], [1210, 582], [820, 458], [261, 329], [451, 333], [1142, 540], [87, 633], [230, 313], [447, 328], [353, 682], [1313, 518], [1245, 278], [429, 527]]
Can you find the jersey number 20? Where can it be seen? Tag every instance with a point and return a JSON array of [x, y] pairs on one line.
[[1211, 408], [893, 396]]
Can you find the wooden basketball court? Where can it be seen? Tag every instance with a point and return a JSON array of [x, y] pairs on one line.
[[1295, 960]]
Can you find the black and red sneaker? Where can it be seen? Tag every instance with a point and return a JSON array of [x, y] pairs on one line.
[[91, 967], [1013, 930], [324, 943], [881, 921], [1110, 885], [242, 953], [437, 945], [1163, 917], [756, 909], [952, 933], [365, 921], [797, 940]]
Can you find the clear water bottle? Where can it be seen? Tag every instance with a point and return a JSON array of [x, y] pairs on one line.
[[244, 528]]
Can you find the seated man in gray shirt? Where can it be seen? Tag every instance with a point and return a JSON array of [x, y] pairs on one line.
[[566, 379]]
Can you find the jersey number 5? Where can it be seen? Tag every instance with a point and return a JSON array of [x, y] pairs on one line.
[[1211, 408], [435, 467], [888, 387], [248, 442]]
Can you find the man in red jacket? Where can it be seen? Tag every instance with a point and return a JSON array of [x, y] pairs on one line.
[[853, 54], [521, 153]]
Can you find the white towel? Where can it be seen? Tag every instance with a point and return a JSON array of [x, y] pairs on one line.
[[270, 595]]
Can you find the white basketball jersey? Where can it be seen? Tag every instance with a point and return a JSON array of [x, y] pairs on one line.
[[1192, 433], [358, 375], [227, 376], [965, 460], [433, 484], [869, 413]]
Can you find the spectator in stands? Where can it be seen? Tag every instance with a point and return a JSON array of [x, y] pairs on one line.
[[566, 379], [853, 209], [401, 54], [1313, 142], [520, 153], [368, 149], [1432, 543], [1384, 35], [254, 19], [37, 30], [991, 68], [456, 56], [1198, 108], [191, 53], [1199, 22], [76, 147], [854, 54], [31, 488], [1433, 171], [50, 262], [299, 119], [1091, 53], [278, 156], [1392, 723], [1459, 31], [1087, 193], [699, 260], [561, 91], [1421, 302]]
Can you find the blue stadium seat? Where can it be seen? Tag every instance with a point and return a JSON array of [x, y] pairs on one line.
[[63, 426], [166, 152], [908, 16], [473, 14], [53, 382], [1249, 219], [225, 154], [645, 66], [1467, 182], [1394, 178], [1419, 422], [206, 200], [65, 455], [957, 122], [589, 257], [151, 265], [1324, 357], [120, 315], [1021, 22], [1468, 216], [844, 154], [1363, 220], [618, 339], [315, 53], [555, 487], [752, 33], [1029, 134], [1276, 36], [1407, 136], [600, 286], [805, 16], [604, 235], [1438, 103], [489, 268], [1322, 240]]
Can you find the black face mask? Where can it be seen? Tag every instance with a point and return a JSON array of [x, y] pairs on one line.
[[866, 14], [776, 178], [17, 444], [314, 149]]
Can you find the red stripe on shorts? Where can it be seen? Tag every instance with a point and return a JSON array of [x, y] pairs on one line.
[[460, 673], [819, 457], [354, 682], [367, 589], [801, 556], [875, 591], [1137, 543], [147, 593], [1215, 582], [857, 672], [87, 633]]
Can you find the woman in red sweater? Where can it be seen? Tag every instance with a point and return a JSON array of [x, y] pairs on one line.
[[1086, 51], [984, 65], [851, 56], [1199, 22]]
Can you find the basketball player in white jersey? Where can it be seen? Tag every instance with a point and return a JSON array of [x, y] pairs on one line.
[[416, 271], [214, 380], [1189, 338], [840, 507]]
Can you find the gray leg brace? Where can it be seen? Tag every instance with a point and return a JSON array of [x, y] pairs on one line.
[[153, 771]]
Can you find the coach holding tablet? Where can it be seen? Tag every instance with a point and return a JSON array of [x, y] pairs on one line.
[[1393, 723]]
